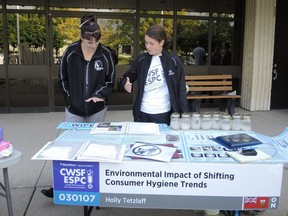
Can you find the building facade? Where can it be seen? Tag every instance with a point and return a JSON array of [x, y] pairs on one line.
[[35, 34]]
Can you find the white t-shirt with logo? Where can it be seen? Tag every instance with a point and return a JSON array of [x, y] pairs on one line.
[[156, 97]]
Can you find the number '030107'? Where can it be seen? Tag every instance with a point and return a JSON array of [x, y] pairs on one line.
[[76, 197]]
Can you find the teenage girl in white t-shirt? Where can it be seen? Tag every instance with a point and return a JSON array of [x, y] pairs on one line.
[[161, 80]]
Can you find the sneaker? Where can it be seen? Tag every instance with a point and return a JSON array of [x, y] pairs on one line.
[[48, 192]]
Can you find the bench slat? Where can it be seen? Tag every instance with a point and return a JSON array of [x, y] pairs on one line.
[[212, 96], [208, 77], [209, 83], [210, 88]]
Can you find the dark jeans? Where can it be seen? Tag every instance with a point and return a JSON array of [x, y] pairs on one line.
[[157, 118]]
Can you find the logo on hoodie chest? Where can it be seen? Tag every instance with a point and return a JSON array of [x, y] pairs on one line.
[[98, 65]]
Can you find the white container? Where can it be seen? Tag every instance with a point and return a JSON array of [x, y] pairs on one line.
[[185, 121], [225, 122], [246, 122], [206, 121], [175, 121], [196, 121], [236, 122]]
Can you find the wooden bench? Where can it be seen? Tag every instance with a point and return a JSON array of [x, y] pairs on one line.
[[214, 87]]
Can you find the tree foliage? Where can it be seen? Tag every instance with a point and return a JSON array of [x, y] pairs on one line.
[[32, 31], [115, 32], [65, 31], [189, 32]]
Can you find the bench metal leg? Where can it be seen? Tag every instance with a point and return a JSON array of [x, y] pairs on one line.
[[223, 105], [195, 104], [231, 106]]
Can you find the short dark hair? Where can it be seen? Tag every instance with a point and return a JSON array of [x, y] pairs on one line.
[[158, 33], [89, 28]]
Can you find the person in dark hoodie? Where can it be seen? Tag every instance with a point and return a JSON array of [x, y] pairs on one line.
[[87, 75], [161, 87], [86, 78]]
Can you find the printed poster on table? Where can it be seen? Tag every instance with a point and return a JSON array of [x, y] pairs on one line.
[[168, 185]]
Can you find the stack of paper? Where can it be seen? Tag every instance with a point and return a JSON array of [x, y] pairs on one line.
[[58, 150], [125, 128], [102, 152]]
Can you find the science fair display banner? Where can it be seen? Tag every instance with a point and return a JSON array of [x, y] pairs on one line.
[[76, 183], [147, 184]]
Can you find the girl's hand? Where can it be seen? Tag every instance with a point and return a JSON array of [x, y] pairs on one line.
[[128, 85]]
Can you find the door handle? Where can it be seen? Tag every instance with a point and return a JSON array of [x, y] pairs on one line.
[[275, 73]]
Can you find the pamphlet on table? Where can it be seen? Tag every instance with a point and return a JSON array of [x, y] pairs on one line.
[[84, 151], [101, 152], [125, 128], [246, 159]]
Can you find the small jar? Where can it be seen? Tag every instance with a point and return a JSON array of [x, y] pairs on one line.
[[175, 121], [246, 122], [196, 121], [215, 121], [206, 121], [236, 122], [225, 122], [185, 121]]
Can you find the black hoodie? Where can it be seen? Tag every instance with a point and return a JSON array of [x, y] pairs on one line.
[[80, 79], [175, 78]]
